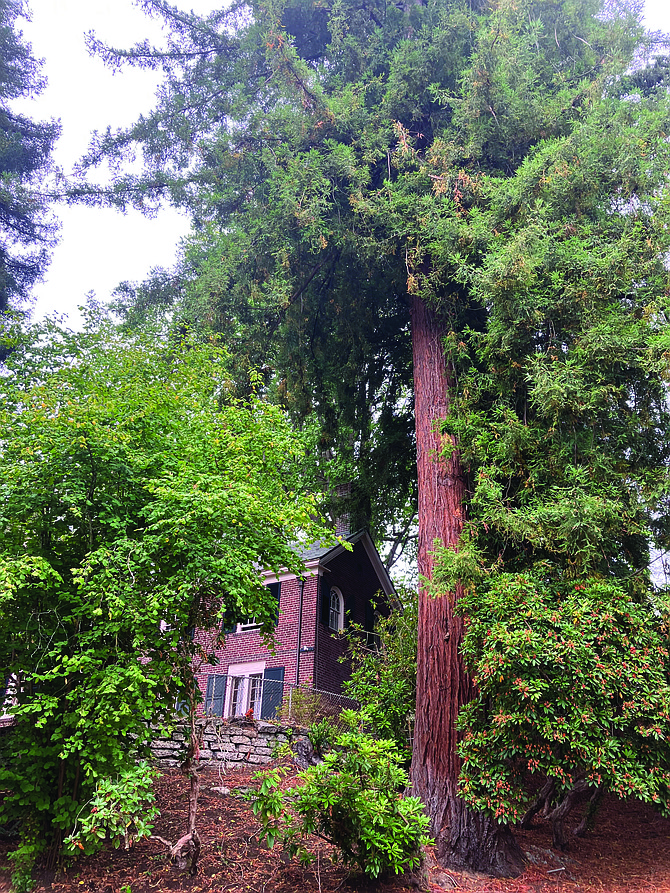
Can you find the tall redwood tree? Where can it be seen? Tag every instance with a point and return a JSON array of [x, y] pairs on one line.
[[464, 838]]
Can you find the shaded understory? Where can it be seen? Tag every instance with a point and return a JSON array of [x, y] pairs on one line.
[[628, 852]]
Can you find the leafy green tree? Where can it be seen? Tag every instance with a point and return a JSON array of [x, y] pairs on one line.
[[26, 228], [139, 500], [487, 182]]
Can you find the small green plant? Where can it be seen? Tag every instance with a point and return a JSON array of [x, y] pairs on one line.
[[353, 800], [120, 810], [301, 706], [24, 857], [321, 734], [282, 751]]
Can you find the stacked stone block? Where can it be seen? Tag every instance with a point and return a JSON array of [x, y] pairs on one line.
[[228, 742]]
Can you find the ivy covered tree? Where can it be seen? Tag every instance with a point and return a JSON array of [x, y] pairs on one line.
[[26, 228], [485, 182], [139, 501]]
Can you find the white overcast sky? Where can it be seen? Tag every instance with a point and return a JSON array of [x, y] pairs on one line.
[[100, 247]]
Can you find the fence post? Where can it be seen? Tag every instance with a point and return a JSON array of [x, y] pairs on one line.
[[290, 696]]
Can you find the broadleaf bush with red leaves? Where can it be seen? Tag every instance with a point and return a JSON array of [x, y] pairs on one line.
[[573, 690]]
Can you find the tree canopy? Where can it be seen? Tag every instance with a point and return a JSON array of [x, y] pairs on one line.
[[140, 502], [486, 182], [383, 153], [26, 228]]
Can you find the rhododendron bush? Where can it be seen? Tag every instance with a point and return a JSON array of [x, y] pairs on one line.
[[573, 697]]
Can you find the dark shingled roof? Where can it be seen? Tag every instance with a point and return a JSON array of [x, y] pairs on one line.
[[316, 550]]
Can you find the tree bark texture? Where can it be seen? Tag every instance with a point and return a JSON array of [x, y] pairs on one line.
[[464, 839], [558, 815], [185, 853]]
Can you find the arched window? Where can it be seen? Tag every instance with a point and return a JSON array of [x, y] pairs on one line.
[[336, 611]]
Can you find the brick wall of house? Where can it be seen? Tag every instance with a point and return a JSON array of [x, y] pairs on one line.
[[320, 649], [308, 638], [247, 646]]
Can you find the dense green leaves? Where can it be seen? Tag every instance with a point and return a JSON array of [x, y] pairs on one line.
[[573, 684], [140, 503], [562, 408], [353, 800], [121, 809], [383, 672]]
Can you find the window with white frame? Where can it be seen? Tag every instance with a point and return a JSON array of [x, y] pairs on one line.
[[245, 689], [336, 611], [246, 693], [236, 684], [255, 693]]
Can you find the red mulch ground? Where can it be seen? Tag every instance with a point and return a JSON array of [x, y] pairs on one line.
[[628, 852]]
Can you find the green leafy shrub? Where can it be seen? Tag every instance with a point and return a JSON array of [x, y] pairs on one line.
[[353, 800], [120, 810], [322, 735], [383, 676], [300, 706], [573, 684]]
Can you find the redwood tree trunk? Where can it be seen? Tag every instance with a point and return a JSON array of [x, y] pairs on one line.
[[464, 839]]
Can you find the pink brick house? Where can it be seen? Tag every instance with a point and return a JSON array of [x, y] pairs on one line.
[[337, 587]]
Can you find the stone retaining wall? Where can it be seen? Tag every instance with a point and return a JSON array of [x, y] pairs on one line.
[[224, 742], [229, 742]]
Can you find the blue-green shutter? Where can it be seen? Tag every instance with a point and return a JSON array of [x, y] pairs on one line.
[[216, 691], [273, 692], [275, 589]]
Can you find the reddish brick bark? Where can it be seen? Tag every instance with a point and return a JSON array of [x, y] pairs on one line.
[[464, 838]]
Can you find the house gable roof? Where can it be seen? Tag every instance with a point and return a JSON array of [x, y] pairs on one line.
[[317, 556]]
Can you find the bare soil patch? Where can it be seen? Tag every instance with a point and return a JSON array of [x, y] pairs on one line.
[[628, 852]]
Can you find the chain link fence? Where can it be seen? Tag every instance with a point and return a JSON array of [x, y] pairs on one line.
[[261, 697], [303, 705]]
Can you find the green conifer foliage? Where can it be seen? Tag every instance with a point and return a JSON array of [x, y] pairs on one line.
[[25, 158], [502, 169]]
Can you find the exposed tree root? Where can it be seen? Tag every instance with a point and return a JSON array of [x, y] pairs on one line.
[[541, 804], [186, 851]]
